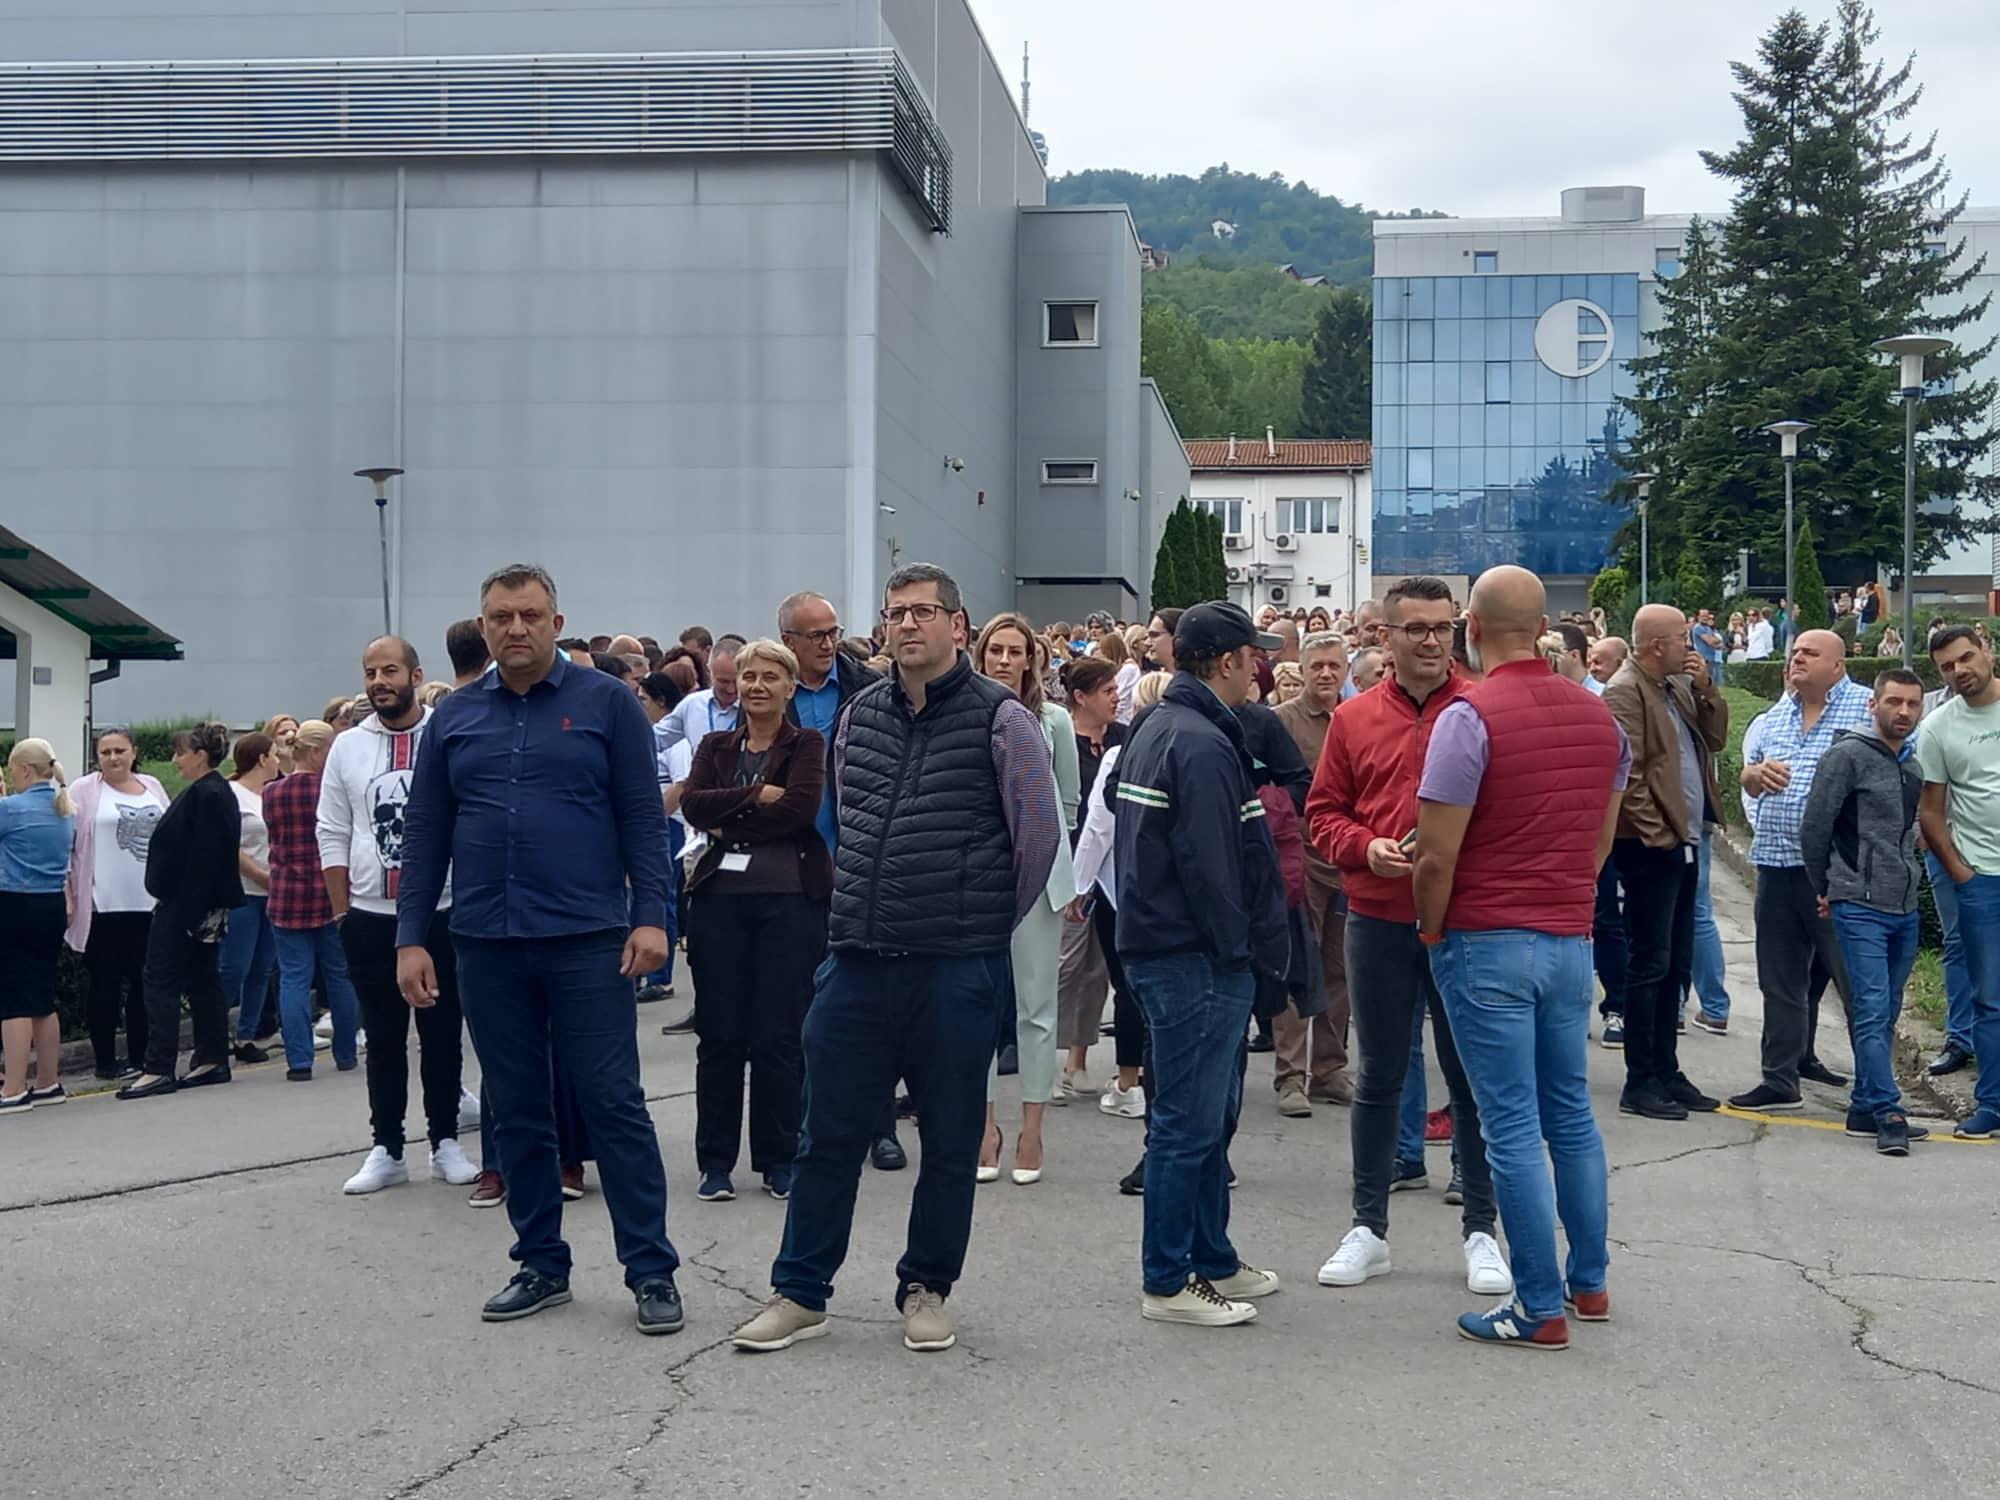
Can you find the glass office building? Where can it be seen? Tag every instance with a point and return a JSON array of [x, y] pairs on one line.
[[1497, 423]]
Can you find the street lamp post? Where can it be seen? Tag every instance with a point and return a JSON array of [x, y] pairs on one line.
[[1912, 349], [1644, 484], [1788, 446], [380, 479]]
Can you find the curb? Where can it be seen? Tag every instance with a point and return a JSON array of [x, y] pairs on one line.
[[1915, 1039]]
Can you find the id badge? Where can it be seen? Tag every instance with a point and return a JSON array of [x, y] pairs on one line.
[[736, 861]]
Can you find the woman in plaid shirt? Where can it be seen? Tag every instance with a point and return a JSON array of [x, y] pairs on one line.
[[301, 916]]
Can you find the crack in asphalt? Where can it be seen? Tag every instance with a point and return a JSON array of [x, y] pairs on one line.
[[424, 1482], [1762, 1130], [222, 1174]]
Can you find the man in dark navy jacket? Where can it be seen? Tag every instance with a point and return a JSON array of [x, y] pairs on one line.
[[1201, 909]]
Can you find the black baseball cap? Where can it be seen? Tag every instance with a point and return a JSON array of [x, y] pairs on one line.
[[1217, 627]]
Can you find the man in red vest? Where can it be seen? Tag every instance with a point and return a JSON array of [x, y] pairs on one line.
[[1516, 812]]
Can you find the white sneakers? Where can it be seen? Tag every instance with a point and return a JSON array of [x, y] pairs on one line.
[[1248, 1284], [1126, 1104], [449, 1164], [324, 1026], [468, 1109], [1199, 1303], [381, 1170], [1362, 1254], [1486, 1269], [1074, 1085]]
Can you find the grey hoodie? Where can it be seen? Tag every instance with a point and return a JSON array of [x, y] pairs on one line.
[[1859, 833]]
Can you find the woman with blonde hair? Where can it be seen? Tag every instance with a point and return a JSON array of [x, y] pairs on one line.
[[1148, 690], [1006, 652], [117, 808], [36, 822], [1289, 680], [434, 692], [339, 712], [284, 732], [1112, 648]]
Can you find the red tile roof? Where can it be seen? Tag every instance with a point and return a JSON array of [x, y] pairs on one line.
[[1293, 453]]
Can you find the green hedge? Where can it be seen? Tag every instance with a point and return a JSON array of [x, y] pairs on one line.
[[1767, 678], [154, 741]]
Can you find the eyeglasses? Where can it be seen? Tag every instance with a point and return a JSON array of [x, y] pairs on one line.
[[1417, 634], [923, 614], [826, 637]]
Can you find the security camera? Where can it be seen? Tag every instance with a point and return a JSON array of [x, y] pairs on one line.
[[956, 465], [887, 510]]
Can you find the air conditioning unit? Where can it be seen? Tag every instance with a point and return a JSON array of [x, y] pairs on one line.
[[1279, 593], [1236, 541], [1284, 541], [1239, 574]]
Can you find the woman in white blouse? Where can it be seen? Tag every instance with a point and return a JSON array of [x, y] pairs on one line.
[[1114, 650], [249, 953], [110, 912]]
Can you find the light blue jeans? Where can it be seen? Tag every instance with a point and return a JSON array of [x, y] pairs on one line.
[[304, 952], [1710, 982], [1957, 976], [245, 958], [1519, 1004]]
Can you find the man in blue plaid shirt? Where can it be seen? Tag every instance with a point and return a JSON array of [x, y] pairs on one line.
[[1821, 703]]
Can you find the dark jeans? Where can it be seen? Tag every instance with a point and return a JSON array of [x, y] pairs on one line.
[[752, 958], [1196, 1016], [1389, 977], [1128, 1024], [245, 962], [875, 1019], [538, 1004], [1880, 949], [1660, 889], [369, 940], [115, 955], [176, 966], [1607, 941], [1790, 935]]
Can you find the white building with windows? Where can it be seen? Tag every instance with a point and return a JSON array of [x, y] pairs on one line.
[[1296, 518]]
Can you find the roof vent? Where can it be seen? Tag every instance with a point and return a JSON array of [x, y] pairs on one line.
[[1603, 205]]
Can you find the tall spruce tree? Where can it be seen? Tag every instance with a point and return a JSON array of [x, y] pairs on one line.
[[1166, 589], [1215, 568], [1339, 374], [1810, 611]]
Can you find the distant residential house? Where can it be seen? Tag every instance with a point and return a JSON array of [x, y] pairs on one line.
[[1295, 514], [1222, 229], [1152, 258]]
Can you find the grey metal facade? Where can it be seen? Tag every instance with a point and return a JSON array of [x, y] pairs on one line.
[[686, 384]]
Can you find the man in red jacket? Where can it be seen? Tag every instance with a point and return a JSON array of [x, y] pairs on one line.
[[1362, 806], [1519, 802]]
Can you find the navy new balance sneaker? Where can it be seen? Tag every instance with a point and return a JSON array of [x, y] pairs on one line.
[[1507, 1324]]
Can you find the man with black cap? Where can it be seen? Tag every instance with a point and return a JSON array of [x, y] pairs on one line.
[[1201, 908]]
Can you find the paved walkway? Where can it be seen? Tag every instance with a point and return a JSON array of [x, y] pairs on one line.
[[193, 1309]]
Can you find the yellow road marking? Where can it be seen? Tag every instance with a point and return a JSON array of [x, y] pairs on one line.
[[1940, 1132]]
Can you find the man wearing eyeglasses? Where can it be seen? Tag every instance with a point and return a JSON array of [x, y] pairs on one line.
[[948, 823]]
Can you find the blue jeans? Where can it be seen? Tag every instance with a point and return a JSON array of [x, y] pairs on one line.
[[1880, 950], [1196, 1016], [302, 953], [1710, 981], [1979, 931], [1519, 1004], [245, 959], [537, 1004], [875, 1019], [1416, 1101], [1957, 977]]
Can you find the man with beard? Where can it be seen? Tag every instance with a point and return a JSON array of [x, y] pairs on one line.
[[363, 792]]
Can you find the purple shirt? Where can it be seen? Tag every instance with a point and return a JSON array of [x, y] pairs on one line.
[[1456, 763]]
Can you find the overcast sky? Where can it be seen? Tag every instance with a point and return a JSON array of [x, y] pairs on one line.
[[1475, 107]]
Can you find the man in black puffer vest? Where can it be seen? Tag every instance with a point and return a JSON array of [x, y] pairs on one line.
[[948, 823]]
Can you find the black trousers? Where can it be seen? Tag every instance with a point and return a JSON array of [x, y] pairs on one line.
[[1607, 941], [1793, 939], [370, 941], [1660, 888], [1128, 1022], [177, 965], [115, 957], [752, 958]]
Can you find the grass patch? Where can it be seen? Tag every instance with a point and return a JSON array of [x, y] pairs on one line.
[[1925, 992], [1743, 707], [168, 776]]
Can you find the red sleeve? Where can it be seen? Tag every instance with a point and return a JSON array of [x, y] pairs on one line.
[[1330, 823]]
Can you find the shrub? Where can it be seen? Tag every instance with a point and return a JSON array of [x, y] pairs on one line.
[[1811, 609], [1767, 678]]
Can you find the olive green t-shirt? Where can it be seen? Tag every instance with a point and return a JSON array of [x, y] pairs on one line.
[[1959, 746]]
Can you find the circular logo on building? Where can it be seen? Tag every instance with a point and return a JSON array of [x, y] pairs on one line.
[[1573, 338]]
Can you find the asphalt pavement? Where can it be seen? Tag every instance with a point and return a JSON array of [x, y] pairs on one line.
[[194, 1309]]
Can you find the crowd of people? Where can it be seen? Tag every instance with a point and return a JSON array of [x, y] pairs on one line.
[[902, 863]]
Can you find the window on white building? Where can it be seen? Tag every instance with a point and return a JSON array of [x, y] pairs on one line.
[[1071, 323], [1230, 510], [1485, 262], [1319, 516], [1069, 471]]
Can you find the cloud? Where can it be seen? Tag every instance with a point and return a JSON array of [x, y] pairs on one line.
[[1473, 108]]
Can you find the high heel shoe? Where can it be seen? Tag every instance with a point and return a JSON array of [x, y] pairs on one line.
[[1024, 1176], [992, 1173]]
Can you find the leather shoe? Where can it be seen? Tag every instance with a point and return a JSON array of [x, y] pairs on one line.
[[1651, 1104], [659, 1306], [527, 1294], [1950, 1060], [1260, 1043], [1689, 1097], [1819, 1072], [887, 1154], [165, 1084], [205, 1077]]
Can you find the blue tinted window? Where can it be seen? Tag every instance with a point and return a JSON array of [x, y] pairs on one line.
[[1495, 425], [1418, 303], [1497, 466], [1485, 262], [1419, 423], [1446, 468], [1472, 337], [1389, 297], [1548, 424], [1600, 291], [1499, 382], [1444, 425], [1420, 501], [1446, 343], [1499, 335], [1416, 381], [1420, 469], [1390, 381], [1624, 301], [1422, 335], [1389, 424], [1447, 297], [1521, 423], [1575, 286]]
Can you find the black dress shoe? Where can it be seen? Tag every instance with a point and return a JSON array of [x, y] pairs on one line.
[[527, 1294], [1260, 1043], [1650, 1104], [250, 1052], [1819, 1072], [1950, 1060], [165, 1084], [298, 1075], [1689, 1097], [683, 1027], [1765, 1097], [206, 1077], [887, 1154], [906, 1107], [659, 1306], [1133, 1183]]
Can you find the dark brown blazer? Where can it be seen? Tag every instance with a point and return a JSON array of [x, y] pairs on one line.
[[733, 818]]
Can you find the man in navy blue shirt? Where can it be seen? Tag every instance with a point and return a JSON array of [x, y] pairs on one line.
[[537, 789]]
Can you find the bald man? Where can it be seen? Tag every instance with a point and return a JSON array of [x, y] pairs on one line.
[[1821, 703], [1676, 721], [1516, 812], [1606, 657]]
